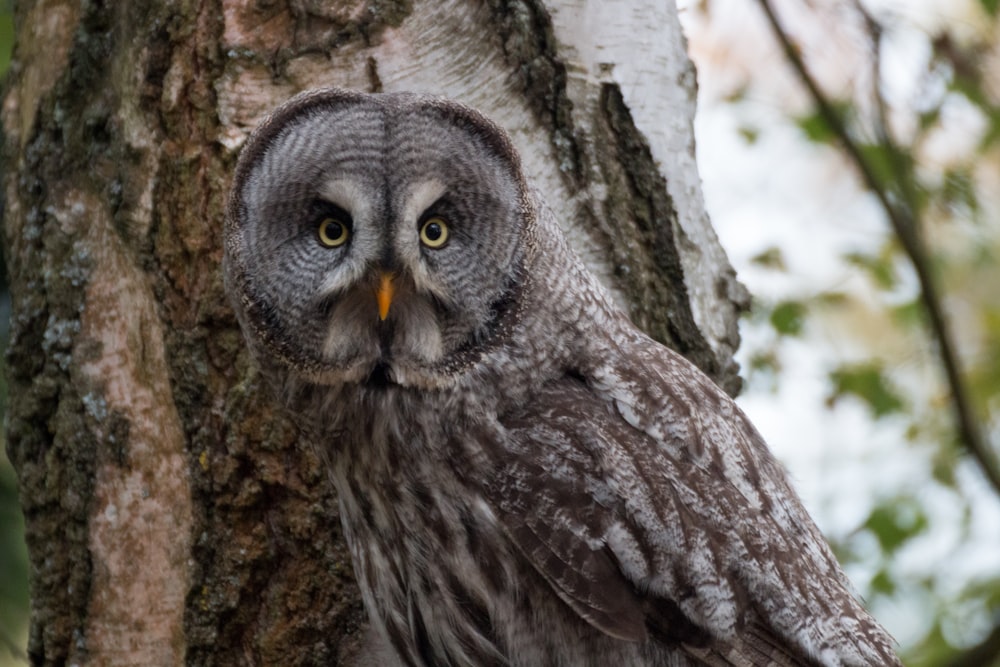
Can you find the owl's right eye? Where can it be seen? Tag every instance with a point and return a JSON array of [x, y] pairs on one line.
[[333, 233]]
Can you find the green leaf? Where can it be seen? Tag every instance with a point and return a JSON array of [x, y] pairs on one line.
[[831, 299], [867, 382], [927, 119], [984, 375], [992, 133], [880, 268], [737, 95], [13, 557], [749, 134], [763, 369], [881, 162], [765, 361], [771, 258], [883, 582], [893, 524], [6, 37], [909, 314], [933, 650], [788, 318], [959, 190], [991, 6], [816, 128], [943, 465]]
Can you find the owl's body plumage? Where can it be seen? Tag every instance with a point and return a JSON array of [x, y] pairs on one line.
[[525, 478]]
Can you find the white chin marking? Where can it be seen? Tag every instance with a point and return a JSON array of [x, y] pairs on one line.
[[350, 337], [417, 339]]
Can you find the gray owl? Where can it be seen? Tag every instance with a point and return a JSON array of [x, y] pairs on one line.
[[525, 478]]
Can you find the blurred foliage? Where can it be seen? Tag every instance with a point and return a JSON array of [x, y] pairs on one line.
[[895, 523], [13, 552], [6, 35], [931, 159], [868, 382], [13, 559], [788, 317]]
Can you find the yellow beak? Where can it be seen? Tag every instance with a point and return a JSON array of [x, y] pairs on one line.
[[384, 293]]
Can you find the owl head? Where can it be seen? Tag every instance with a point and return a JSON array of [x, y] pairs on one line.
[[376, 238]]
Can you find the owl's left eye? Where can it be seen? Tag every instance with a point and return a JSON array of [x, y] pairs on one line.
[[333, 233], [434, 232]]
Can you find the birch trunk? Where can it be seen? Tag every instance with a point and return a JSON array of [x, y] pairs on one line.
[[171, 516]]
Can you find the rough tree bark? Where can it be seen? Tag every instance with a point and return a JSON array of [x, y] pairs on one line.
[[171, 515]]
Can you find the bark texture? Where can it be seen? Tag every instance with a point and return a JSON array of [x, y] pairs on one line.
[[172, 516]]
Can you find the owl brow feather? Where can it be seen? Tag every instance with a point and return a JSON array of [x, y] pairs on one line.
[[294, 190]]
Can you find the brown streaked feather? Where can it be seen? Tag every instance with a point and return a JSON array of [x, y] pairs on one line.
[[755, 646], [587, 579], [679, 570]]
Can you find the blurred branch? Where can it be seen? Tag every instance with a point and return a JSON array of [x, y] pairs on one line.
[[898, 161], [902, 213]]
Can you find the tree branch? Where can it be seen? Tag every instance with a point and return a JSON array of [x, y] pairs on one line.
[[903, 218]]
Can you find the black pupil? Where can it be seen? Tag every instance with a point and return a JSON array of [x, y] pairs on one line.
[[334, 230], [432, 231]]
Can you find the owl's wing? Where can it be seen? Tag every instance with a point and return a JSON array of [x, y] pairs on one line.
[[653, 508]]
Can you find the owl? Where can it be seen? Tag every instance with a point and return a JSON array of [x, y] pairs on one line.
[[524, 477]]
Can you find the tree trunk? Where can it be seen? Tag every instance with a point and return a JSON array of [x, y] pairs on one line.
[[171, 515]]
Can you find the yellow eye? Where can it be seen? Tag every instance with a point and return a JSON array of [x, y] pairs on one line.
[[333, 233], [434, 232]]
